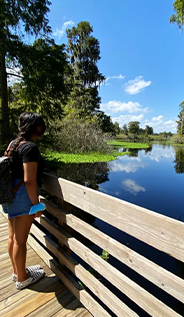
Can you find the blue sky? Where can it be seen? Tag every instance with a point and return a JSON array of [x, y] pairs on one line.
[[142, 56]]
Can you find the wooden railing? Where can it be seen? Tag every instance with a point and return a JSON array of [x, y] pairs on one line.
[[158, 231]]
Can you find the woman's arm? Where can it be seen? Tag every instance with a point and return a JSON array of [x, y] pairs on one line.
[[30, 180]]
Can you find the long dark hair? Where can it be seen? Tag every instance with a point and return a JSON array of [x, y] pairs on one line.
[[27, 125]]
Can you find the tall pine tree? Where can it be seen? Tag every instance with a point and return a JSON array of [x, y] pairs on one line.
[[84, 53], [17, 17]]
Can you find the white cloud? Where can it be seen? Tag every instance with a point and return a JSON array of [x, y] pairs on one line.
[[137, 85], [120, 76], [160, 125], [118, 106], [131, 186], [59, 33], [124, 119]]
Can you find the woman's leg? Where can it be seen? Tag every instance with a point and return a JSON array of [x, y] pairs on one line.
[[21, 227], [11, 242]]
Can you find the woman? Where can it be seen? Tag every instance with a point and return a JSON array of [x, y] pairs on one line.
[[27, 172]]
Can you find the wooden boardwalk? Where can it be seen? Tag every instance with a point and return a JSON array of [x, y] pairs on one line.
[[48, 297]]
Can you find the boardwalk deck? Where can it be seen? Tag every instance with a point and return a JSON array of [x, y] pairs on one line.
[[48, 297]]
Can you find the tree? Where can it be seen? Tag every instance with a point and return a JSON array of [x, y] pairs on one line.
[[148, 130], [117, 128], [45, 71], [104, 122], [133, 127], [16, 15], [180, 123], [125, 129], [178, 17], [84, 53]]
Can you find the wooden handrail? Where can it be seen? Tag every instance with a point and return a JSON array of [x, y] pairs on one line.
[[161, 232]]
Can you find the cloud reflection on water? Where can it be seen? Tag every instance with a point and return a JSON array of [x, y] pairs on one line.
[[131, 186], [131, 166]]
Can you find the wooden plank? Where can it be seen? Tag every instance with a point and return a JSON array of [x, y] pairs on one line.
[[45, 256], [55, 305], [35, 301], [86, 299], [102, 292], [136, 293], [14, 300], [157, 230], [49, 261], [167, 281], [72, 310]]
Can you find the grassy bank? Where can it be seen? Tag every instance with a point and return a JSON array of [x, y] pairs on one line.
[[56, 157], [129, 145]]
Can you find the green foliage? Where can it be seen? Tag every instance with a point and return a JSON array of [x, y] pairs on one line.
[[105, 123], [178, 139], [84, 53], [178, 17], [180, 123], [125, 129], [44, 68], [17, 17], [105, 255], [117, 129], [133, 127], [129, 145], [148, 130], [55, 158], [78, 137], [179, 161]]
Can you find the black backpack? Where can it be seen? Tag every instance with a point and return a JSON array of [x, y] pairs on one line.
[[7, 191], [6, 180]]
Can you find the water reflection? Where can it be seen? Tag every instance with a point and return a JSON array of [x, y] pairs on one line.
[[151, 178], [87, 174], [179, 160], [131, 186], [130, 165]]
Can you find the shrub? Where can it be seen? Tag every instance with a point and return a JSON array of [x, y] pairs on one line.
[[178, 139], [78, 137]]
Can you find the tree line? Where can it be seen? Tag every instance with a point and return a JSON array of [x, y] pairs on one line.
[[59, 81]]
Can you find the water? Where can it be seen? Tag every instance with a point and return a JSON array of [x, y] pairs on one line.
[[150, 178]]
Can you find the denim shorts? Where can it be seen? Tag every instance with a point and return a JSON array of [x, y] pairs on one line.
[[21, 203]]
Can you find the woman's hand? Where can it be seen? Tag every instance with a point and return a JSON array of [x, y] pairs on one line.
[[38, 214]]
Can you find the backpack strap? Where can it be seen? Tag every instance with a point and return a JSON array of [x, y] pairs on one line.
[[16, 188]]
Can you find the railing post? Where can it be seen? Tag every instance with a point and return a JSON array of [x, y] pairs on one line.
[[68, 208]]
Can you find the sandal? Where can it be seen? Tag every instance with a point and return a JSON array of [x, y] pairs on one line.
[[35, 276], [29, 269]]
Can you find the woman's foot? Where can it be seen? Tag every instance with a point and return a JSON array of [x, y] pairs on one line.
[[28, 269], [34, 277]]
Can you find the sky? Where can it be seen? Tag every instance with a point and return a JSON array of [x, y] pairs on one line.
[[142, 56]]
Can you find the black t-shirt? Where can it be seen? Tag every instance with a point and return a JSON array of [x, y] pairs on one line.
[[27, 152]]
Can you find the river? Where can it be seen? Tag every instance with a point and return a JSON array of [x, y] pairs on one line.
[[152, 178]]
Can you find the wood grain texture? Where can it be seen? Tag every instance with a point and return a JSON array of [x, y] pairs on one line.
[[102, 292], [36, 299], [164, 279], [161, 232], [136, 293]]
